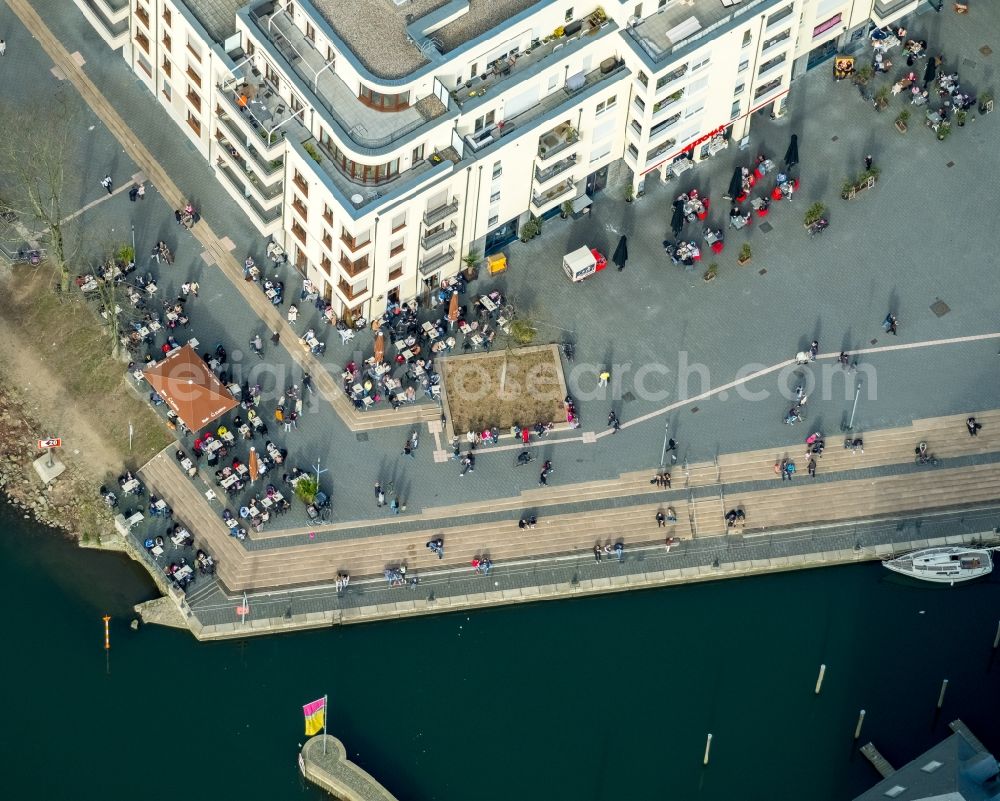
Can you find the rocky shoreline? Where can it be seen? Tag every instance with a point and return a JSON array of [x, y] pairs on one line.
[[71, 503]]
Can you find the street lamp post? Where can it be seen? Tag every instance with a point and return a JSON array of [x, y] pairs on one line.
[[663, 453], [857, 394]]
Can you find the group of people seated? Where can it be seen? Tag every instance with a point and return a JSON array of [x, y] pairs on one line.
[[736, 518], [186, 216]]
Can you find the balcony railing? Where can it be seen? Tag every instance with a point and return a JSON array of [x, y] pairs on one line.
[[428, 266], [265, 216], [439, 237], [354, 268], [541, 176], [349, 292], [557, 140], [539, 201], [435, 216], [886, 8], [267, 167]]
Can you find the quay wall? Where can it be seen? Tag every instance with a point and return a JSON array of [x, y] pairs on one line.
[[336, 774], [410, 607]]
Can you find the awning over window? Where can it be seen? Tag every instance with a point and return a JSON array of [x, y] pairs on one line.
[[580, 203]]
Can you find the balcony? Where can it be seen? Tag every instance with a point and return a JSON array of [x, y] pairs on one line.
[[434, 263], [667, 102], [435, 216], [268, 168], [265, 216], [109, 18], [349, 292], [679, 25], [541, 176], [557, 140], [264, 118], [665, 82], [353, 244], [354, 268], [660, 149], [577, 86], [266, 192], [355, 118], [436, 238], [545, 199], [886, 12], [525, 65]]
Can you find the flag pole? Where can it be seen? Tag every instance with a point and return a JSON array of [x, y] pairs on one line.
[[326, 714]]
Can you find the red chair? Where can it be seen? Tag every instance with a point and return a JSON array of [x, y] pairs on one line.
[[752, 180], [717, 247], [702, 215], [696, 257], [741, 197], [758, 172], [762, 212], [707, 203], [776, 193], [795, 184]]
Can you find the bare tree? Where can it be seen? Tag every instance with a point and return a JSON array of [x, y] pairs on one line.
[[35, 154], [111, 294]]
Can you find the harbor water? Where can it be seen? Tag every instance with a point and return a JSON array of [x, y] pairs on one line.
[[607, 697]]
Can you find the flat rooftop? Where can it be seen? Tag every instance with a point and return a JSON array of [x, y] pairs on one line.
[[375, 30], [217, 17], [679, 20]]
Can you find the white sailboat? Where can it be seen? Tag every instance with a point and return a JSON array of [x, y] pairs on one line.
[[945, 565]]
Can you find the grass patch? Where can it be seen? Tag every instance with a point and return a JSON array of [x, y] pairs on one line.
[[68, 339], [502, 388]]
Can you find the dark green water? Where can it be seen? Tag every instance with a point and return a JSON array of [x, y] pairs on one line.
[[604, 698]]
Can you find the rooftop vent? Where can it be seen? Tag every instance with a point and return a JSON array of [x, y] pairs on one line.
[[892, 792], [931, 766]]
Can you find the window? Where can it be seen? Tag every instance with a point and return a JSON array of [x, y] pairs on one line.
[[661, 3], [194, 76], [146, 66], [166, 42], [166, 91], [310, 33], [494, 197], [193, 98], [295, 103], [395, 271], [331, 56], [553, 81], [747, 38], [399, 222], [823, 27], [768, 44], [604, 105], [142, 14], [328, 240], [639, 102], [735, 112], [637, 11], [382, 101], [703, 63], [300, 207], [474, 70], [492, 221], [301, 183], [637, 127], [326, 264], [485, 121], [633, 151], [358, 171], [418, 154], [354, 241], [272, 76], [739, 89], [569, 14], [396, 247], [328, 214], [497, 169], [166, 16], [744, 64], [192, 49], [166, 66], [143, 40], [697, 109], [194, 123], [643, 78], [299, 231], [774, 62], [664, 125]]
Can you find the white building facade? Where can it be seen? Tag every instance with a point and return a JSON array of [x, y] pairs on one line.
[[380, 144]]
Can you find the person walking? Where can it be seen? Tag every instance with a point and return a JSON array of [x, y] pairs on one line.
[[613, 422], [790, 469], [3, 48], [275, 337], [783, 469], [140, 192], [973, 425], [133, 193], [379, 495], [603, 378], [597, 554], [812, 467], [106, 183], [195, 287], [868, 161], [889, 324]]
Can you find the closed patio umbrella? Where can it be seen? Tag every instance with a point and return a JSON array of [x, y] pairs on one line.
[[736, 184], [453, 310], [677, 221], [254, 466], [792, 154], [621, 253], [379, 347]]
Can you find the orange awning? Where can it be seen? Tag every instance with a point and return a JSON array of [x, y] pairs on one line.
[[190, 388]]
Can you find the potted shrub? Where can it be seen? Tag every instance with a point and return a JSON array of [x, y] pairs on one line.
[[711, 272], [814, 213], [961, 117], [470, 260], [629, 193], [125, 255], [944, 129], [306, 489], [881, 98], [863, 75], [984, 99], [901, 119], [566, 209], [745, 254]]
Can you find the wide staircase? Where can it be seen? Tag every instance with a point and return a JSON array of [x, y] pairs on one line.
[[744, 480]]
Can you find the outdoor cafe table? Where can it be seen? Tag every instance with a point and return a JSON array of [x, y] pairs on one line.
[[712, 237], [228, 481], [242, 469], [130, 486], [188, 467], [89, 286], [213, 446], [151, 289], [267, 503], [160, 504], [183, 572], [180, 537], [487, 304]]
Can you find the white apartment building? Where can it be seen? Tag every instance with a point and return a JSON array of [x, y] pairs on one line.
[[379, 141]]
